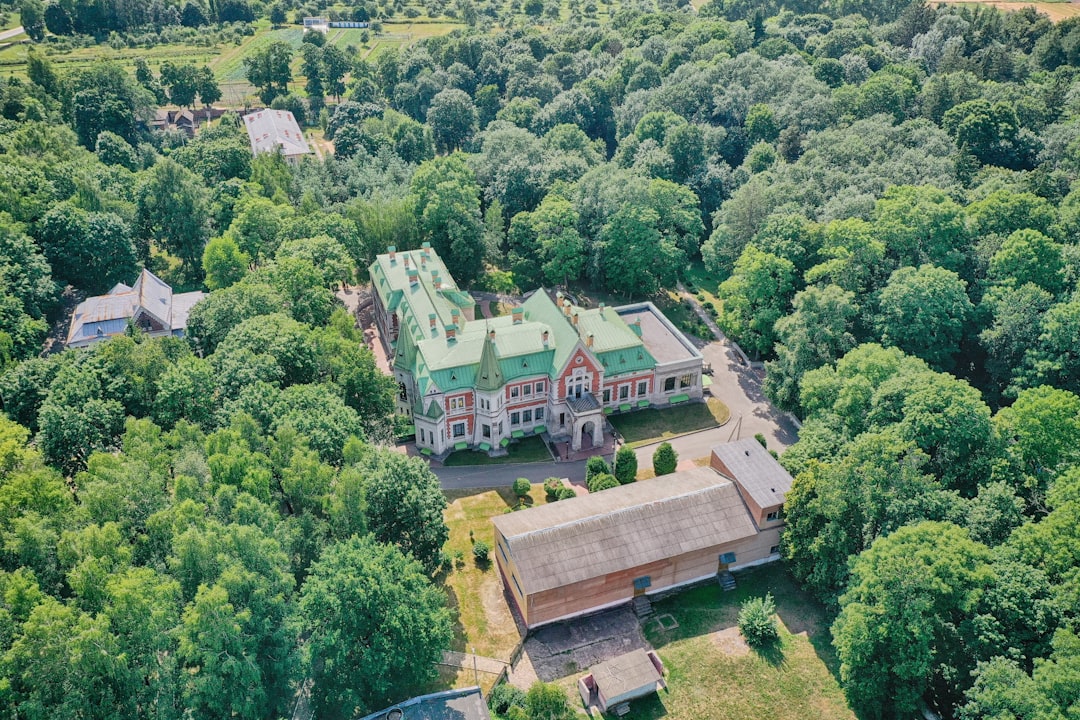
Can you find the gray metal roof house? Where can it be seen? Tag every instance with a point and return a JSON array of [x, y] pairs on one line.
[[149, 304], [466, 704], [584, 554], [274, 131]]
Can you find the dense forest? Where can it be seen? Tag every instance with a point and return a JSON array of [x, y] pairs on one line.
[[886, 189]]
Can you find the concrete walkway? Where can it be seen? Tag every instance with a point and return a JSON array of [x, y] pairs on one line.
[[13, 32], [488, 476]]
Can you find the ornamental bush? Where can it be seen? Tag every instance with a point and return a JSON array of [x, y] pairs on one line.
[[596, 465], [600, 482], [664, 460], [521, 487], [480, 551], [625, 465], [756, 621]]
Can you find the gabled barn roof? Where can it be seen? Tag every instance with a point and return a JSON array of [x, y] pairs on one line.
[[755, 470], [618, 529], [270, 129]]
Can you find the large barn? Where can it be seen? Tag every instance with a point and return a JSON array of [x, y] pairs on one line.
[[584, 554]]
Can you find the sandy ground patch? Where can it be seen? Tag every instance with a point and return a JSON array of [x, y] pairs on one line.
[[730, 641]]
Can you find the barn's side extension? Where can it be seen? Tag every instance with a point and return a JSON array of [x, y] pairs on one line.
[[587, 553]]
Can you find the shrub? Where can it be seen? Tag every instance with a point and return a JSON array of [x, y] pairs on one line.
[[505, 696], [480, 551], [521, 487], [547, 701], [625, 465], [756, 621], [602, 482], [761, 439], [596, 465], [551, 489], [664, 460], [565, 493]]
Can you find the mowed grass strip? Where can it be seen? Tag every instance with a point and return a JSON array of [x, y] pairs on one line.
[[711, 673], [527, 450], [643, 427], [484, 619]]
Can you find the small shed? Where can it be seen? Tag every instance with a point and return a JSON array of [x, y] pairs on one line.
[[622, 679]]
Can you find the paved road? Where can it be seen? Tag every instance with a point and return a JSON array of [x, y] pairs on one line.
[[483, 476], [11, 33]]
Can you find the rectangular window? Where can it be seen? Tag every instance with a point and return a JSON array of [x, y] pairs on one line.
[[459, 429], [514, 391], [643, 387], [421, 436], [515, 419], [624, 392], [457, 403], [500, 429], [516, 585], [607, 395], [686, 381], [526, 416], [774, 550], [502, 551], [727, 558], [669, 384], [526, 389], [773, 516], [485, 430], [539, 414], [642, 582], [539, 388]]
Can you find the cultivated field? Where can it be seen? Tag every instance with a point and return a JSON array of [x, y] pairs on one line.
[[1056, 11]]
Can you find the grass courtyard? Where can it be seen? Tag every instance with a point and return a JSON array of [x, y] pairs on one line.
[[711, 673], [484, 624], [654, 424], [527, 450]]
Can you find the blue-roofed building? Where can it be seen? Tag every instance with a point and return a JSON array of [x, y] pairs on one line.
[[550, 366], [149, 305]]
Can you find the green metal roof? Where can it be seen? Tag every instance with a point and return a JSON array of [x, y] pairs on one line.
[[489, 376], [405, 352]]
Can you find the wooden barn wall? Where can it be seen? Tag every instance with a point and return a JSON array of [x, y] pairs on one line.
[[611, 588]]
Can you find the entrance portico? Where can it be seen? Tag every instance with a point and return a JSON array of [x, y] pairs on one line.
[[588, 420]]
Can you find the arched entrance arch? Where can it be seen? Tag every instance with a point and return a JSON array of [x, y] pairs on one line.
[[587, 427]]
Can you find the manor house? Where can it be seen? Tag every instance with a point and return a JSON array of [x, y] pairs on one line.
[[550, 366]]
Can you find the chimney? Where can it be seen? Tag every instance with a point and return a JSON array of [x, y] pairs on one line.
[[414, 276], [431, 319], [406, 257], [436, 280], [491, 334], [575, 319], [602, 306], [544, 338], [517, 315], [451, 333], [588, 338], [454, 315], [423, 261], [393, 253], [425, 245], [566, 308]]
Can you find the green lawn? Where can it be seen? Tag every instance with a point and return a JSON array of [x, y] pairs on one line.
[[711, 673], [527, 450], [652, 425], [704, 282]]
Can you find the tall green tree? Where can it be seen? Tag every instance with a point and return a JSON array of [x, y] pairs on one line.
[[924, 311], [755, 297], [452, 119], [447, 206], [896, 632], [268, 70], [404, 507], [171, 211], [375, 626]]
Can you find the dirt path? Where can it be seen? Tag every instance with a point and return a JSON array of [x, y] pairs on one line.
[[1056, 11]]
